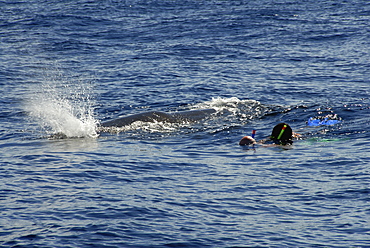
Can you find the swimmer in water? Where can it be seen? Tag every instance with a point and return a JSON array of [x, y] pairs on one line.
[[282, 134]]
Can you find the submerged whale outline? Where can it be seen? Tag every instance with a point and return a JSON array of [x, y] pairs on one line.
[[157, 116]]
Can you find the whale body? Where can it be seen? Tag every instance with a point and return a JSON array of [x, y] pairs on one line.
[[157, 116]]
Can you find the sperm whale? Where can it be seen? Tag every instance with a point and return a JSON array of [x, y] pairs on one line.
[[153, 116]]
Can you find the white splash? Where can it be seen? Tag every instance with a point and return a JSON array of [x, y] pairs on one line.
[[64, 109], [146, 127], [233, 105]]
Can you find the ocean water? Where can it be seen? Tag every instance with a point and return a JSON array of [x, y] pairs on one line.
[[66, 66]]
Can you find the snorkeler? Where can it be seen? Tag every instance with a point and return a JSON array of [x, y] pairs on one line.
[[282, 134]]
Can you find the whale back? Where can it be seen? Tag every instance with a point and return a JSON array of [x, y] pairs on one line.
[[156, 116]]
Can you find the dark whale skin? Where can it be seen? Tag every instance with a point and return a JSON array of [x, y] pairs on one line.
[[153, 116]]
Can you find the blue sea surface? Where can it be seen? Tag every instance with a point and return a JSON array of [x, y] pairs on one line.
[[66, 66]]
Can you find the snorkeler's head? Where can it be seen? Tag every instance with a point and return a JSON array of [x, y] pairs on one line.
[[247, 140], [282, 134]]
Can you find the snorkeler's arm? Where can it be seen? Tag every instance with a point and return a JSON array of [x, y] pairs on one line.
[[263, 141], [296, 135]]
